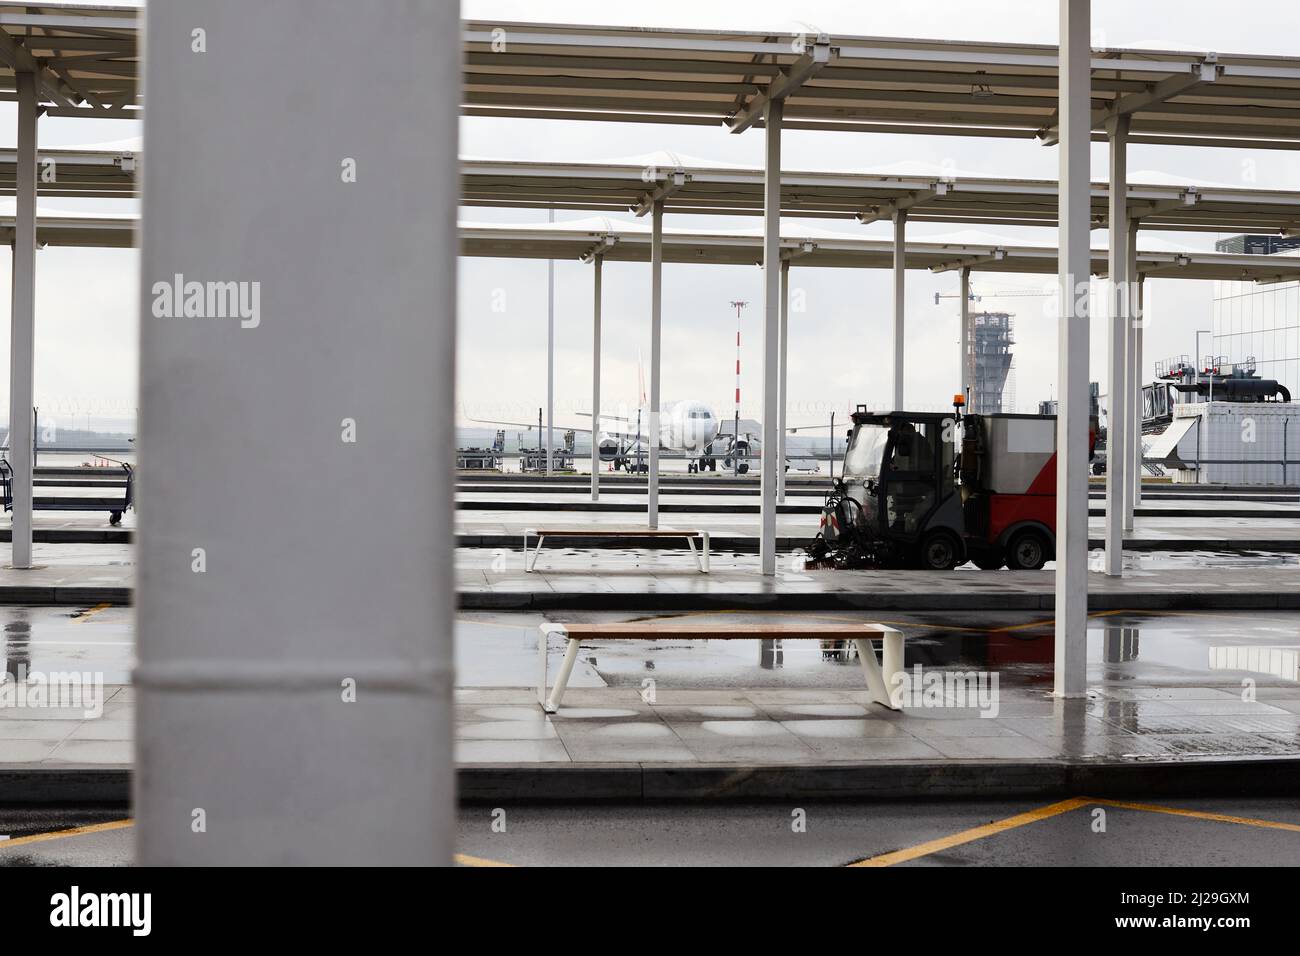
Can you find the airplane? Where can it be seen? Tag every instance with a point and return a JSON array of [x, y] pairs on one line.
[[688, 428]]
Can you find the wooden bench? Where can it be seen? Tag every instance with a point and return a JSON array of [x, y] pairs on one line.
[[879, 678], [541, 534]]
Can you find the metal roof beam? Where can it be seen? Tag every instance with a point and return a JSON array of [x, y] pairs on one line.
[[888, 210], [794, 252], [605, 243], [16, 57], [1206, 71], [675, 181], [1187, 198], [996, 255], [786, 83]]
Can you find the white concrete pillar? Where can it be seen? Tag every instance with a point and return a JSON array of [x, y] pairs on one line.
[[596, 263], [656, 329], [1135, 377], [964, 374], [1070, 671], [769, 462], [1118, 454], [550, 358], [900, 273], [294, 635], [1139, 363], [22, 329], [782, 369]]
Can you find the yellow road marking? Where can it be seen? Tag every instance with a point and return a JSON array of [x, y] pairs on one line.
[[77, 619], [461, 858], [464, 859], [60, 834], [1201, 815], [973, 834], [1056, 809]]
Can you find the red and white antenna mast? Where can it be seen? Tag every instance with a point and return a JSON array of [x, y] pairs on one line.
[[735, 435], [738, 306]]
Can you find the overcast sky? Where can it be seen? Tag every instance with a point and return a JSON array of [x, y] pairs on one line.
[[86, 299]]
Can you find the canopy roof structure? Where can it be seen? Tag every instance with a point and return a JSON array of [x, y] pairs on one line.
[[866, 197], [75, 229], [628, 242], [870, 84], [85, 58], [715, 189], [86, 173]]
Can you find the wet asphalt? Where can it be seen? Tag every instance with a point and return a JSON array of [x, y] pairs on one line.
[[1167, 833], [836, 834]]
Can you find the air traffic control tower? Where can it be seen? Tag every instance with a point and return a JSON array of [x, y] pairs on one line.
[[991, 336]]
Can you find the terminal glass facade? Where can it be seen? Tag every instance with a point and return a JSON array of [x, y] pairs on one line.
[[1260, 322]]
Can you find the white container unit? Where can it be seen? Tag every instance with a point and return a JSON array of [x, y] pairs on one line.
[[1231, 443]]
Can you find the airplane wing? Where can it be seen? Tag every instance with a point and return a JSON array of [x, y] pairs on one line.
[[603, 417], [531, 426], [809, 428]]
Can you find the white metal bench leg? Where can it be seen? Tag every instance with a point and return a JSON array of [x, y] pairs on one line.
[[552, 703], [542, 642], [537, 549], [543, 646], [876, 685], [891, 657], [690, 543], [702, 554]]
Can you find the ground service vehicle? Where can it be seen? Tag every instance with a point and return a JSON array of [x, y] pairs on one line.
[[936, 489]]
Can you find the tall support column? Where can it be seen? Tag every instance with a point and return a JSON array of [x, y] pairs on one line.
[[1071, 663], [769, 463], [22, 334], [783, 367], [1118, 456], [550, 358], [596, 263], [900, 273], [656, 328], [294, 678], [964, 374], [1139, 286], [1134, 300]]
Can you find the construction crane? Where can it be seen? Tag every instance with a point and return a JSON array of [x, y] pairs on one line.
[[1000, 294]]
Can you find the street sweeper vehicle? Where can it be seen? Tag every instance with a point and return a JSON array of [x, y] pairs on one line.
[[937, 489]]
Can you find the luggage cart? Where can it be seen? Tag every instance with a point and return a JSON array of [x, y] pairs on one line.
[[114, 506]]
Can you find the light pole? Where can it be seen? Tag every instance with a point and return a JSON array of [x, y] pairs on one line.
[[1205, 414]]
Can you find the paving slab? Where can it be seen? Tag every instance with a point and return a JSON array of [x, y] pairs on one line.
[[664, 582]]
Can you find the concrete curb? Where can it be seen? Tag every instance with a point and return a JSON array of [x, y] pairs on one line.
[[637, 601], [883, 600], [46, 786], [107, 535], [883, 780], [666, 783], [748, 544], [727, 508], [59, 595]]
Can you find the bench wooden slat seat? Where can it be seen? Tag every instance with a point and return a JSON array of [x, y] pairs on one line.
[[879, 675], [692, 536], [614, 533]]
